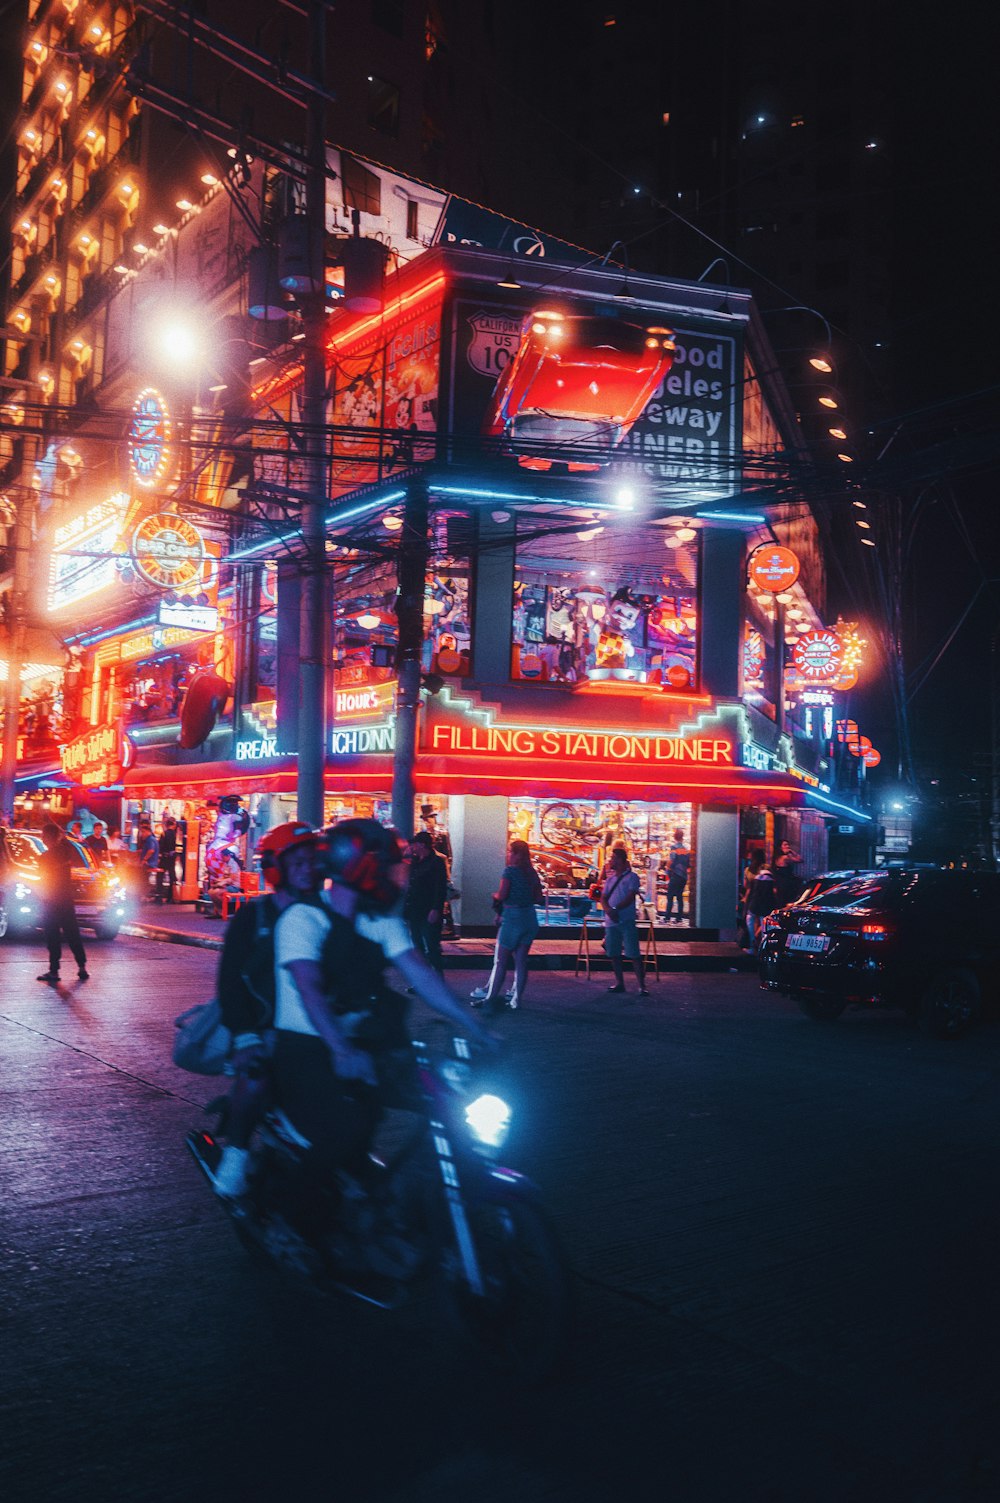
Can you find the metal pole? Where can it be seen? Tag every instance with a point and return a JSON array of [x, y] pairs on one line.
[[16, 625], [413, 551], [312, 635]]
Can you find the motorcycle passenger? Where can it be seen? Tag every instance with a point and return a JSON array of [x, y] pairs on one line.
[[246, 989], [341, 1031]]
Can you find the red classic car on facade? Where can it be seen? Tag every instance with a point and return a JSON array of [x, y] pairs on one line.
[[575, 387]]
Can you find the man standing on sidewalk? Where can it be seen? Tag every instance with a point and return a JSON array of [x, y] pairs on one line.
[[166, 870], [58, 914], [425, 894]]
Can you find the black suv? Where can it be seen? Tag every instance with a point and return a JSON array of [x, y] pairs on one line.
[[922, 939]]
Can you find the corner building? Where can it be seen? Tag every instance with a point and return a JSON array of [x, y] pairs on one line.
[[597, 666]]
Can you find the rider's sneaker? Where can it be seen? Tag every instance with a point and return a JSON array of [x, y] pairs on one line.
[[230, 1178]]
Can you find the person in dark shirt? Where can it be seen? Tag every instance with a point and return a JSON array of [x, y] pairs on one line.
[[58, 914], [423, 906], [97, 845], [166, 870]]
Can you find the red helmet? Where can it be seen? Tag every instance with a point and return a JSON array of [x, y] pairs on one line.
[[278, 842]]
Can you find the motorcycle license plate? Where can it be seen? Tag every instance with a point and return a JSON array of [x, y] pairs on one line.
[[815, 943]]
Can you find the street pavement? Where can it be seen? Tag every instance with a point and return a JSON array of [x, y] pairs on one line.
[[784, 1236]]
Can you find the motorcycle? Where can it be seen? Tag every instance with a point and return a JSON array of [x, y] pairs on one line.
[[440, 1209]]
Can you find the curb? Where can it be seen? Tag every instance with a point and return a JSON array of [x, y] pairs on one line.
[[480, 962]]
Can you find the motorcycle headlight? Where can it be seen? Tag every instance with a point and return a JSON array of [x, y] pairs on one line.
[[489, 1119]]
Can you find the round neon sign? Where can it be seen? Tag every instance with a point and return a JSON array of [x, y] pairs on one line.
[[773, 568], [168, 552], [149, 438], [817, 655]]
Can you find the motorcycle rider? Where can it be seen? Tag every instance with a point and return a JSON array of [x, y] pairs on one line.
[[246, 986], [342, 1047]]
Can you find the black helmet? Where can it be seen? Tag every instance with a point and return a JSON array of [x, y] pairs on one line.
[[360, 854]]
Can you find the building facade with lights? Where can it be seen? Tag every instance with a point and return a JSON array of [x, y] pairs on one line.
[[601, 453]]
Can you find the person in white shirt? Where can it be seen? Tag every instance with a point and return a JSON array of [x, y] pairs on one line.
[[341, 1030], [621, 936]]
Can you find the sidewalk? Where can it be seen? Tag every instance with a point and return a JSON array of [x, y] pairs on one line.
[[180, 926]]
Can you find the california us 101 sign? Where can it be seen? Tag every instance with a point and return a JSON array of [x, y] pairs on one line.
[[817, 655]]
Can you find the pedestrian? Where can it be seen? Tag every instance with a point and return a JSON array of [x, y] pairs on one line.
[[75, 831], [166, 852], [759, 903], [743, 934], [148, 852], [423, 904], [55, 865], [97, 845], [786, 877], [621, 932], [678, 867], [519, 890]]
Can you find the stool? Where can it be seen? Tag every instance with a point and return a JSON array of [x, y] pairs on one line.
[[236, 898], [649, 914], [583, 951]]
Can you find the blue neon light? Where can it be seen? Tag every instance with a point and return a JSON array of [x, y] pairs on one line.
[[751, 518], [844, 808]]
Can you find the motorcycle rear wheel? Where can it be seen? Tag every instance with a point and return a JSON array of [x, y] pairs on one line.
[[523, 1319]]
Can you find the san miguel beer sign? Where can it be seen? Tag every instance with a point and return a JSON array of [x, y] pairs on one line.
[[98, 757]]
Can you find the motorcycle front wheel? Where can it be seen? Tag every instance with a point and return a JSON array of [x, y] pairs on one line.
[[523, 1318]]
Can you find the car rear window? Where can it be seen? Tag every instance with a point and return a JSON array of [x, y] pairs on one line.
[[860, 892]]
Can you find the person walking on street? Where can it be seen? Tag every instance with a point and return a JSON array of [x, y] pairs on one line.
[[621, 934], [678, 867], [744, 932], [520, 889], [166, 852], [148, 851], [760, 902], [423, 905], [55, 865]]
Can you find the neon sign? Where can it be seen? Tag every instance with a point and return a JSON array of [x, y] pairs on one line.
[[148, 438], [168, 552], [365, 701], [773, 569], [258, 750], [570, 745], [817, 655], [83, 552], [363, 738], [98, 757]]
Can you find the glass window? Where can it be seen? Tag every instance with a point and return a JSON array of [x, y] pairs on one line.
[[383, 106], [609, 599]]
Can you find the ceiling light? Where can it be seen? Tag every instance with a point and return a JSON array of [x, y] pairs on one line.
[[685, 534], [863, 504], [837, 433], [161, 229], [846, 458], [860, 522], [209, 179], [368, 620], [392, 523], [868, 542], [509, 280], [625, 497], [140, 249], [820, 363], [184, 204], [827, 402]]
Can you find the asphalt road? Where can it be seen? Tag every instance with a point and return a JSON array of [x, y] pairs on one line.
[[785, 1237]]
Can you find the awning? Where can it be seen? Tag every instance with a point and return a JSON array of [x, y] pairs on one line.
[[203, 780]]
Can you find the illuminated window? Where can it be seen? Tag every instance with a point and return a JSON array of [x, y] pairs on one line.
[[603, 602]]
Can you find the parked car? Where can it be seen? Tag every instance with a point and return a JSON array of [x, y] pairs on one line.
[[919, 938], [577, 383], [101, 898]]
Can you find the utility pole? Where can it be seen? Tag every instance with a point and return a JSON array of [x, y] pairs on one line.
[[16, 634], [413, 552], [312, 622]]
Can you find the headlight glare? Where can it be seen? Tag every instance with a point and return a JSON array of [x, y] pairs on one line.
[[489, 1119]]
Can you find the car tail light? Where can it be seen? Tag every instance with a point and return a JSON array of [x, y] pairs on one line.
[[877, 932]]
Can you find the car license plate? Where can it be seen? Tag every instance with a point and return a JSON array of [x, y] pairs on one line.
[[812, 942]]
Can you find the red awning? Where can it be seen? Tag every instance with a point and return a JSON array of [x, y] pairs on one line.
[[201, 780]]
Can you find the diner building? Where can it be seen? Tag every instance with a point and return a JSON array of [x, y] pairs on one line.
[[601, 664]]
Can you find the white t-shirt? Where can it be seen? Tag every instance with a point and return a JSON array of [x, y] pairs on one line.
[[622, 889], [300, 935]]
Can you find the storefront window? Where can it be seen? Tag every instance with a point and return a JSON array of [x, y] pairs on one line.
[[595, 602], [571, 841], [365, 630]]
